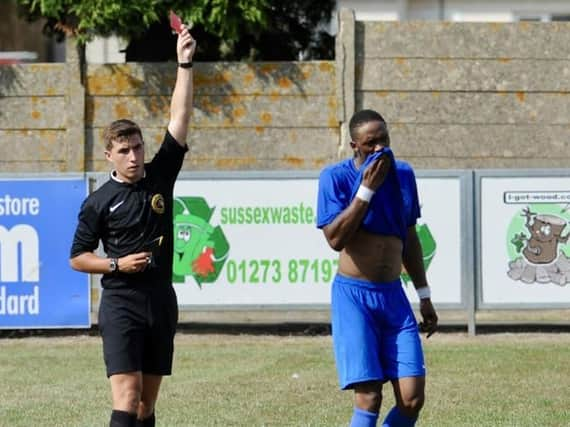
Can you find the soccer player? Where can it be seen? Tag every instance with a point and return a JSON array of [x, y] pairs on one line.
[[367, 208], [131, 214]]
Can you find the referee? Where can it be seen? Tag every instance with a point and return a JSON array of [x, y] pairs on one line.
[[131, 214]]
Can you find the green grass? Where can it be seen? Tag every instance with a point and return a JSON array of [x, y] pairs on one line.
[[227, 380]]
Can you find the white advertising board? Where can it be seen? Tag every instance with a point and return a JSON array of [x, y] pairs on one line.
[[262, 235], [524, 247], [440, 200], [266, 250]]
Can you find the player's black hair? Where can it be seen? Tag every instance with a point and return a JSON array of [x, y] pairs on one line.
[[365, 116]]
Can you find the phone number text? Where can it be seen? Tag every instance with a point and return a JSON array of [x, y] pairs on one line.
[[279, 271]]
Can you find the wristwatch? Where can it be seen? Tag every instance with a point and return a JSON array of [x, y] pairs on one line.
[[114, 265]]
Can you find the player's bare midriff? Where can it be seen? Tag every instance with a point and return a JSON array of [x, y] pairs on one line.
[[371, 257]]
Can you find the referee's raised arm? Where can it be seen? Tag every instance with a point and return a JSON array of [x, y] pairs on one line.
[[182, 97]]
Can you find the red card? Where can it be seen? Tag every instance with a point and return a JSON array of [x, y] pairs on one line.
[[175, 22]]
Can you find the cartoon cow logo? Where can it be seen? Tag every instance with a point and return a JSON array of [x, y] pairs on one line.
[[200, 250]]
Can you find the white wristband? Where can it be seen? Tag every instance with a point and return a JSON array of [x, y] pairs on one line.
[[423, 292], [364, 193]]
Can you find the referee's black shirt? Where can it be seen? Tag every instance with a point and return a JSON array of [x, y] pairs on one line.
[[127, 217]]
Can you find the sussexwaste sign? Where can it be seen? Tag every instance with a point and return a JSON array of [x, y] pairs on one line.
[[250, 242], [253, 242], [38, 289]]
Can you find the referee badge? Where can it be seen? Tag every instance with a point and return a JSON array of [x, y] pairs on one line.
[[157, 203]]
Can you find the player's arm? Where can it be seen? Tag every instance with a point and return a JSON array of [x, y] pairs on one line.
[[339, 232], [182, 97], [343, 227], [412, 259]]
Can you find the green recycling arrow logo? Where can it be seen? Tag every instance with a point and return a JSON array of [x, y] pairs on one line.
[[428, 249], [200, 250]]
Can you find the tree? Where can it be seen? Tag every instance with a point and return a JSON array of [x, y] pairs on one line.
[[294, 30], [129, 19], [226, 29]]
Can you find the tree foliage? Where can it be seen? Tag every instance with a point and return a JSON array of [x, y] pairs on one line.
[[127, 18], [226, 29]]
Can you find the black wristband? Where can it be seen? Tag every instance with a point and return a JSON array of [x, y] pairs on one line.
[[185, 64]]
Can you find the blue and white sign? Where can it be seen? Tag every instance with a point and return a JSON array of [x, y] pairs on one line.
[[38, 289]]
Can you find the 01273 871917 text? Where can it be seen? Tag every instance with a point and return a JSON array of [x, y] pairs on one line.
[[277, 271]]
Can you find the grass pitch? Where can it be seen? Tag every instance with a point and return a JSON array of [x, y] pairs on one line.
[[250, 380]]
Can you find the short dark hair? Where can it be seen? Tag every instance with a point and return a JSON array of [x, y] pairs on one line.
[[364, 116], [119, 130]]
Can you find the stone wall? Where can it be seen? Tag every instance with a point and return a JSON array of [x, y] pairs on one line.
[[260, 116], [455, 95], [42, 122], [469, 95]]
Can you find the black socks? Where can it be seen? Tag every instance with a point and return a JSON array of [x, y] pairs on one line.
[[147, 422], [123, 419]]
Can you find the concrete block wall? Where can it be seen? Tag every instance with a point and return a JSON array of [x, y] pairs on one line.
[[260, 116], [31, 136], [455, 95], [469, 95], [42, 116]]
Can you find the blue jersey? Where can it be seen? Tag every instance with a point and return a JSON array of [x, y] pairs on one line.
[[338, 184]]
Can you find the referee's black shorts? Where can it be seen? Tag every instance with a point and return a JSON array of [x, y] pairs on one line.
[[138, 327]]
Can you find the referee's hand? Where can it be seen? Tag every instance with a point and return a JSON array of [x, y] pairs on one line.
[[134, 263]]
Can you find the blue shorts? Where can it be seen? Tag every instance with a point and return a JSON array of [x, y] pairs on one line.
[[375, 332]]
